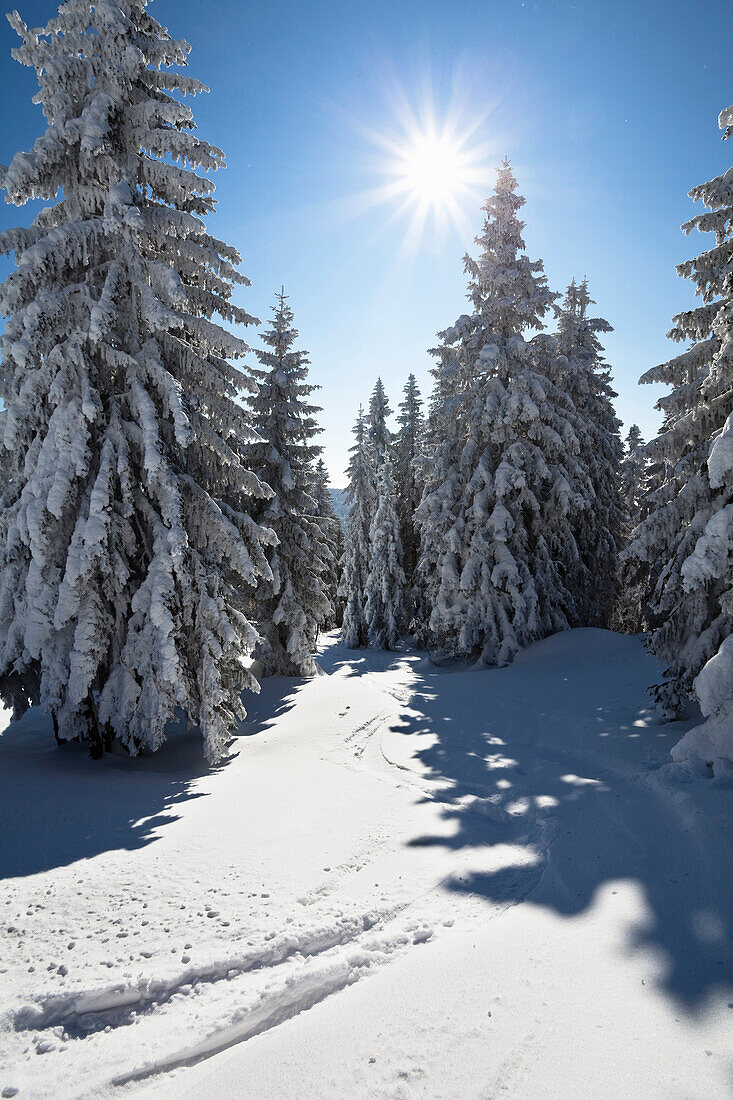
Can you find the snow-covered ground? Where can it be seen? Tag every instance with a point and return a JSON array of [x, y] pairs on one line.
[[405, 882]]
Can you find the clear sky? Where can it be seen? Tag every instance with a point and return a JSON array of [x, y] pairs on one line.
[[608, 112]]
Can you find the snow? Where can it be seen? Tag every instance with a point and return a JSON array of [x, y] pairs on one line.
[[405, 881]]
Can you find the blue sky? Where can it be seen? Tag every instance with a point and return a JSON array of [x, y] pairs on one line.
[[608, 112]]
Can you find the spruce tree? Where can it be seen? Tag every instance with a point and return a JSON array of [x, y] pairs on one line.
[[294, 605], [126, 546], [385, 585], [379, 437], [584, 377], [632, 476], [332, 535], [685, 539], [407, 454], [497, 513], [360, 496], [633, 484]]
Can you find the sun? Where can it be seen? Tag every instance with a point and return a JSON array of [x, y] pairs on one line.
[[430, 159], [433, 171], [435, 174]]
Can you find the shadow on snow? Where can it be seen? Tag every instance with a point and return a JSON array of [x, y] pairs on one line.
[[60, 806], [563, 746]]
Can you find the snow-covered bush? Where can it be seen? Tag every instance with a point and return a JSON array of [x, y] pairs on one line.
[[126, 546]]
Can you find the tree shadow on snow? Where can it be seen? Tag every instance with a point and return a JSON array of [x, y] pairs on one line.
[[59, 805], [335, 657], [277, 695], [560, 750]]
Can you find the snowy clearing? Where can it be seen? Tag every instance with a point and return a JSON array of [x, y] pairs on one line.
[[404, 882]]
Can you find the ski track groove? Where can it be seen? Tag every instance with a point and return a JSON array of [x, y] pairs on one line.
[[288, 998], [91, 1010]]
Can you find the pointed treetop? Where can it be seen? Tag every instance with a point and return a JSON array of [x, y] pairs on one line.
[[577, 299], [379, 410], [411, 405], [507, 289], [358, 429], [505, 179]]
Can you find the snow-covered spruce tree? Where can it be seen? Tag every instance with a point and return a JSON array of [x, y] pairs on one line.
[[125, 544], [632, 476], [294, 605], [628, 613], [584, 377], [355, 561], [385, 585], [333, 539], [407, 444], [686, 539], [503, 481], [385, 566], [379, 437]]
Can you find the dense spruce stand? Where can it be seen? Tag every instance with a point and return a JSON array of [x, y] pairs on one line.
[[504, 482], [384, 609], [167, 528], [333, 540], [633, 487], [408, 447], [585, 378]]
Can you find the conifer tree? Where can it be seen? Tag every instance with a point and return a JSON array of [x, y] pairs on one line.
[[685, 540], [407, 455], [633, 484], [332, 535], [632, 476], [385, 585], [295, 604], [584, 377], [355, 561], [496, 515], [126, 546], [379, 437]]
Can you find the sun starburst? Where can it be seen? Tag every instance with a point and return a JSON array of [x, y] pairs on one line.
[[435, 173]]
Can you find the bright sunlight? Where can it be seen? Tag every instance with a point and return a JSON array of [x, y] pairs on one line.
[[436, 165], [433, 169], [435, 173]]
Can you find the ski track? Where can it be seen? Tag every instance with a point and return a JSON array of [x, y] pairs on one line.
[[293, 973]]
